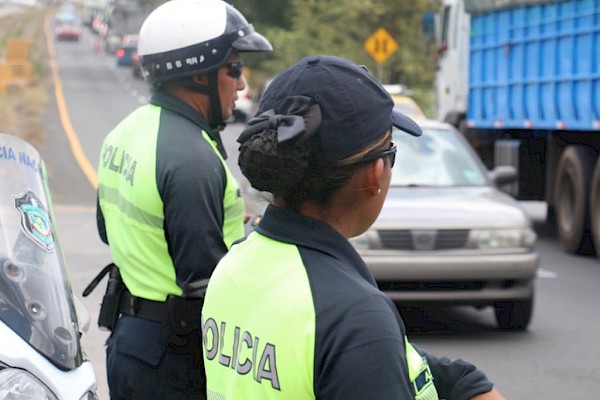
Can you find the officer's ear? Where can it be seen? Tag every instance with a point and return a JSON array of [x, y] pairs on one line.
[[200, 79], [373, 177]]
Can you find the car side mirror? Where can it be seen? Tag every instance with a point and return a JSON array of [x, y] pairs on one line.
[[503, 175]]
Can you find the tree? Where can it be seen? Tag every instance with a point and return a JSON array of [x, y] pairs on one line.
[[266, 13], [298, 28]]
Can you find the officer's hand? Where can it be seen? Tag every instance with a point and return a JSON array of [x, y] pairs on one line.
[[252, 219]]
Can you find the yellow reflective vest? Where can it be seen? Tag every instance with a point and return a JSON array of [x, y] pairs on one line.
[[167, 200], [293, 313]]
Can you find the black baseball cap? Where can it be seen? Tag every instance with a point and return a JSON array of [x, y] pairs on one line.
[[356, 109]]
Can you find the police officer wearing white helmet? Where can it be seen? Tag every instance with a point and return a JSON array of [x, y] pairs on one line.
[[168, 206]]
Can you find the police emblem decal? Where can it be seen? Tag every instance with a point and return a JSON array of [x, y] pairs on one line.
[[35, 220]]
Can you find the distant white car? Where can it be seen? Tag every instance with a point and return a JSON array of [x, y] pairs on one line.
[[67, 26]]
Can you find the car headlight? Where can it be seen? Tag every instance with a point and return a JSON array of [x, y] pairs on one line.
[[502, 238], [16, 384]]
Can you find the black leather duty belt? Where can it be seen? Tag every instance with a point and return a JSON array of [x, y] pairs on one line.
[[142, 308]]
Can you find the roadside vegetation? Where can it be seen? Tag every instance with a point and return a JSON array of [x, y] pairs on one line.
[[22, 104], [298, 28]]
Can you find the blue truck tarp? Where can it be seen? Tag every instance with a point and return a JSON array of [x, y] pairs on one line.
[[536, 66], [475, 6]]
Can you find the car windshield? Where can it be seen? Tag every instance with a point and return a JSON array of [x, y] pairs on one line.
[[438, 158], [66, 18]]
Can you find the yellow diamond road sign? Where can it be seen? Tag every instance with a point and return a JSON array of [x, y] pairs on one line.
[[380, 45]]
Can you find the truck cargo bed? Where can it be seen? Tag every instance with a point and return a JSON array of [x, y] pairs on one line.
[[536, 67]]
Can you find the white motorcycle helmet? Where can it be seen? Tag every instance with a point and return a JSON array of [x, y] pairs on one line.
[[188, 37]]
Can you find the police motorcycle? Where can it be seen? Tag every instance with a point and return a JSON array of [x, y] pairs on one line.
[[40, 319]]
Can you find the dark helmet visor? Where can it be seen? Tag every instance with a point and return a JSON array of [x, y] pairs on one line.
[[251, 41], [242, 34]]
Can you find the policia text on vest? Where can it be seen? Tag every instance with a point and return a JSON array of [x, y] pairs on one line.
[[119, 161], [248, 355]]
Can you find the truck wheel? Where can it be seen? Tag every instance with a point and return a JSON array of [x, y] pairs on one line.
[[595, 207], [571, 196], [514, 315]]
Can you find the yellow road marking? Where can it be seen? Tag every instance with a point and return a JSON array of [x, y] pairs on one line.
[[86, 167]]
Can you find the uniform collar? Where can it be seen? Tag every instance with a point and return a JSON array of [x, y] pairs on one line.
[[289, 226], [166, 100]]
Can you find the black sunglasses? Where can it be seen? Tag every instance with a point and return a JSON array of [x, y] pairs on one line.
[[234, 70], [388, 153]]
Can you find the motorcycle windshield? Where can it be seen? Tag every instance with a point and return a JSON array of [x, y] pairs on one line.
[[36, 300]]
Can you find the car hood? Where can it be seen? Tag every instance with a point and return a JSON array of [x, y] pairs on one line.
[[450, 208]]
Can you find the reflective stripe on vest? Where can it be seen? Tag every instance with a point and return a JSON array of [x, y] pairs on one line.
[[420, 374]]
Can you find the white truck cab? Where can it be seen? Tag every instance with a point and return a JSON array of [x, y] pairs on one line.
[[451, 86]]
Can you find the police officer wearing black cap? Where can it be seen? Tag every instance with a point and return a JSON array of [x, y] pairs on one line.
[[292, 312]]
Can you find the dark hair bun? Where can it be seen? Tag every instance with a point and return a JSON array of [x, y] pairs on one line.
[[271, 166]]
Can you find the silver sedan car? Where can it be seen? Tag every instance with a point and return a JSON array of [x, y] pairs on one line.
[[448, 235]]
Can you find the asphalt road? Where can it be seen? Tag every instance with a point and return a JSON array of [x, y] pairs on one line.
[[558, 357]]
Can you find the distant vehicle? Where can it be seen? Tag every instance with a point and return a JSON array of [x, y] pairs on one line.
[[126, 49], [520, 80], [90, 15], [448, 235], [98, 22], [406, 105], [68, 31], [403, 102], [111, 41], [136, 68], [244, 105], [67, 27]]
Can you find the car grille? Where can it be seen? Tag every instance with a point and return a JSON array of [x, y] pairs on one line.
[[441, 286], [424, 240]]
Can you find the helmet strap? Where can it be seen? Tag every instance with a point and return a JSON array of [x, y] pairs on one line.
[[215, 101], [212, 90]]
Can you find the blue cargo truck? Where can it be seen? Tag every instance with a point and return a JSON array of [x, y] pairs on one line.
[[521, 80]]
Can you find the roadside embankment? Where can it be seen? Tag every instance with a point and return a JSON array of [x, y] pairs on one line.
[[22, 104]]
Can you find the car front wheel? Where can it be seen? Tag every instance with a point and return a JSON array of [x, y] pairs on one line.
[[514, 315]]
